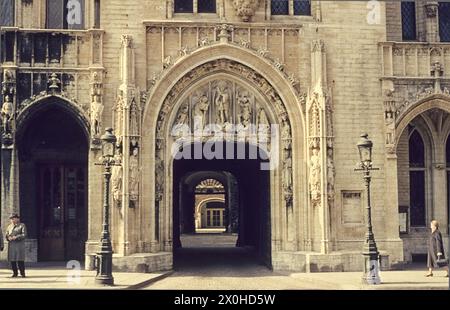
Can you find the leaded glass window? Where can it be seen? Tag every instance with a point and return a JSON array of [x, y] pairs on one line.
[[408, 20]]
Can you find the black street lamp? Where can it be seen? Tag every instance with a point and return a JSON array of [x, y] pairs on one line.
[[104, 256], [370, 251]]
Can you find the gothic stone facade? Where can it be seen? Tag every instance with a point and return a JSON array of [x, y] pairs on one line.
[[141, 68]]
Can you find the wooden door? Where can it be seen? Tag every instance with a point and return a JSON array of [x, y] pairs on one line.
[[63, 216]]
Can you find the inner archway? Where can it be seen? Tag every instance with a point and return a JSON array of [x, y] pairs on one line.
[[53, 156], [244, 230]]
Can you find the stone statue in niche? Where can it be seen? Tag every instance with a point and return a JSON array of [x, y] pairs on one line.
[[314, 176], [116, 180], [222, 103], [200, 113], [245, 115], [390, 128], [7, 114], [263, 122], [331, 172], [96, 115], [183, 115], [134, 174], [287, 174]]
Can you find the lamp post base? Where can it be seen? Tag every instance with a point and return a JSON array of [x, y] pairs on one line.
[[104, 280], [371, 270]]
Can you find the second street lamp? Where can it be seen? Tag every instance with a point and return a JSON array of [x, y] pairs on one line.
[[370, 251], [104, 263]]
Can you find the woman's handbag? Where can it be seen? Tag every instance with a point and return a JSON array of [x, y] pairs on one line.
[[442, 261]]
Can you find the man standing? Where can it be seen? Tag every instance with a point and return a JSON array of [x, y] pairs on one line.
[[16, 234]]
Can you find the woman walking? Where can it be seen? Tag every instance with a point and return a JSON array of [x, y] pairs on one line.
[[15, 235], [435, 248]]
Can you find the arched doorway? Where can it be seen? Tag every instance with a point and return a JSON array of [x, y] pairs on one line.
[[53, 155], [190, 89], [246, 198], [421, 172]]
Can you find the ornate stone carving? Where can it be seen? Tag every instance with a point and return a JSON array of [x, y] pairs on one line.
[[222, 103], [168, 61], [431, 8], [245, 109], [245, 9], [224, 32], [97, 107], [315, 176], [7, 110], [205, 41], [331, 173], [134, 175], [54, 84], [116, 181], [201, 108], [206, 104]]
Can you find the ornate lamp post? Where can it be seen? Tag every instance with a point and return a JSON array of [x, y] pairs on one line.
[[370, 251], [104, 263]]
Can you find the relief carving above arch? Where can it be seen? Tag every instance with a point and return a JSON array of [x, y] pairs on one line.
[[223, 102]]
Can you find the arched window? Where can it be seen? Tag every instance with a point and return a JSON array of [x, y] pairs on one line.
[[444, 21], [417, 171], [408, 20]]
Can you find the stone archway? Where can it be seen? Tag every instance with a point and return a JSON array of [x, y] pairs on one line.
[[279, 107], [416, 188], [52, 143]]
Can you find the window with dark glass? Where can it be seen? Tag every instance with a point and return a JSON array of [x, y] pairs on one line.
[[65, 14], [302, 7], [279, 7], [6, 12], [97, 14], [408, 20], [184, 6], [417, 180], [206, 6], [444, 21], [416, 151]]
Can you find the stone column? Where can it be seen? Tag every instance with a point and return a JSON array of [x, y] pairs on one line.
[[320, 150]]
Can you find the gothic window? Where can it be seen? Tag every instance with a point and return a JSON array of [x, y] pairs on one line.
[[444, 21], [6, 12], [97, 14], [408, 20], [66, 14], [184, 6], [290, 7], [280, 7], [206, 6], [302, 7], [417, 180]]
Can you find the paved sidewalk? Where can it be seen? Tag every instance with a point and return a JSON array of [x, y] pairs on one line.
[[390, 280], [57, 277]]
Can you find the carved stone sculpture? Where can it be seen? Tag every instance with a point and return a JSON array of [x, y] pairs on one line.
[[245, 9], [200, 112], [134, 175], [222, 103], [314, 176], [116, 181]]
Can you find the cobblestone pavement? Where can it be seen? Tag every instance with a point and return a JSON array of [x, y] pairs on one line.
[[210, 263]]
